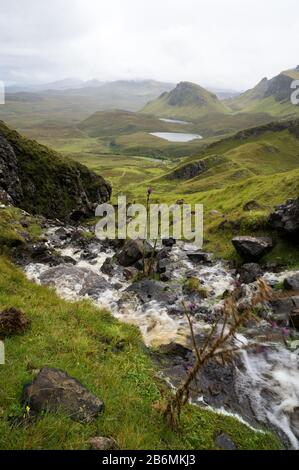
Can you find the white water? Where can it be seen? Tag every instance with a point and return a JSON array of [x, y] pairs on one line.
[[176, 136], [268, 379]]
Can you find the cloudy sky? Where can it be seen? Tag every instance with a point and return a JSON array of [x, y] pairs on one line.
[[222, 43]]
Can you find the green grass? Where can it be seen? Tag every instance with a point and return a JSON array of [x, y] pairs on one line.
[[80, 339]]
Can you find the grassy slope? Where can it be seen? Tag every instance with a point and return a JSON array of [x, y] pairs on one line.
[[80, 339]]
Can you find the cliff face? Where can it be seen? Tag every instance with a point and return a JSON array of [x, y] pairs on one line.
[[41, 181]]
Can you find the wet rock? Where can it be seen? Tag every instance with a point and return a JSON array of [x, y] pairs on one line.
[[174, 350], [163, 265], [130, 272], [89, 254], [54, 390], [148, 290], [294, 318], [292, 282], [108, 267], [251, 206], [168, 242], [250, 272], [62, 233], [223, 441], [252, 248], [285, 219], [103, 443], [199, 257], [12, 322], [133, 251], [283, 308], [81, 280]]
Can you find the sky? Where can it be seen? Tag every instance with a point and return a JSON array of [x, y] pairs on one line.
[[217, 43]]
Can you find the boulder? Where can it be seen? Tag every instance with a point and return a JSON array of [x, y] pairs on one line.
[[133, 251], [285, 219], [283, 309], [12, 322], [252, 248], [103, 443], [250, 272], [149, 289], [292, 282], [199, 257], [108, 267], [168, 242], [54, 390]]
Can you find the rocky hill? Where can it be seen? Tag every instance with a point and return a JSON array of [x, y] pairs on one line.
[[187, 100], [41, 181]]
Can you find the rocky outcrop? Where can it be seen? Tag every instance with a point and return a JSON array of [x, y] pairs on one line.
[[41, 181], [188, 171], [54, 390], [285, 219], [252, 248]]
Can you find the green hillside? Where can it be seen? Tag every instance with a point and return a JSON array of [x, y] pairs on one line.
[[186, 101], [269, 96]]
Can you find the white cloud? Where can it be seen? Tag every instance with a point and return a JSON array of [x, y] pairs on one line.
[[229, 43]]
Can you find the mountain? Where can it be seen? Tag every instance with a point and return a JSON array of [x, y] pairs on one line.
[[187, 101], [269, 96], [41, 181]]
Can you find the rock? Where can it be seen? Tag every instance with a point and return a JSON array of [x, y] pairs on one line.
[[103, 443], [83, 281], [283, 308], [250, 272], [294, 319], [62, 233], [292, 282], [130, 272], [133, 251], [53, 390], [174, 349], [168, 242], [108, 267], [12, 322], [149, 289], [163, 265], [251, 206], [199, 257], [252, 248], [88, 254], [10, 185], [285, 219], [223, 441]]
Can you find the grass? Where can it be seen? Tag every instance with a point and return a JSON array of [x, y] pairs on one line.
[[80, 339]]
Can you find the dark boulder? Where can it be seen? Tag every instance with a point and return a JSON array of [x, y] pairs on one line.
[[283, 309], [54, 390], [285, 219], [250, 272], [252, 248], [168, 242], [149, 289], [292, 282], [199, 257], [108, 267], [133, 251], [12, 322]]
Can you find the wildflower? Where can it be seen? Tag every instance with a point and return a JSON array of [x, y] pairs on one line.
[[149, 191]]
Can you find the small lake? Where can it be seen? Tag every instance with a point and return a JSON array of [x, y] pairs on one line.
[[175, 121], [176, 136]]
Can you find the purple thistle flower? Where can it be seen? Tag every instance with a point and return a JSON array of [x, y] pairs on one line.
[[150, 191]]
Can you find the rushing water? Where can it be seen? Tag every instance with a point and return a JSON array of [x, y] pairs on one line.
[[268, 379], [176, 136]]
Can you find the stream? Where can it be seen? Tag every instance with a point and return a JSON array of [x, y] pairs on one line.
[[261, 387]]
